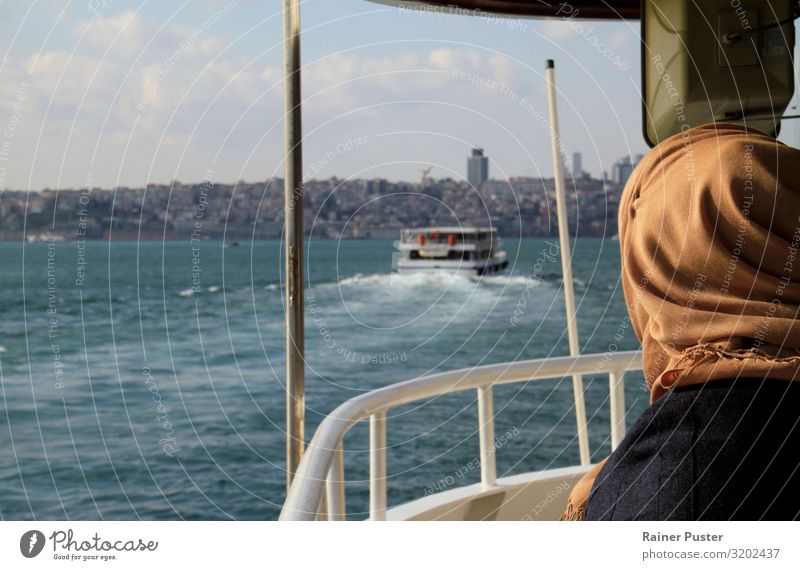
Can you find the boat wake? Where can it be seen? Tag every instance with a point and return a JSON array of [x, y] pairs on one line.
[[438, 281]]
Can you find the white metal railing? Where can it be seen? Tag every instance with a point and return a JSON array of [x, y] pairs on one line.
[[321, 471]]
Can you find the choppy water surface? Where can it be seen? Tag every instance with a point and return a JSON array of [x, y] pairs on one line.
[[145, 380]]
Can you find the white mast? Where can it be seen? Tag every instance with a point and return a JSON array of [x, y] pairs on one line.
[[566, 261]]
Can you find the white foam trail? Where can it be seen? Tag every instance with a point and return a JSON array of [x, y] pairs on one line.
[[514, 280], [186, 293], [361, 279], [402, 282], [439, 280]]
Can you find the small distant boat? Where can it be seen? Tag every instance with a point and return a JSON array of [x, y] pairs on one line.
[[470, 250], [233, 244], [44, 237]]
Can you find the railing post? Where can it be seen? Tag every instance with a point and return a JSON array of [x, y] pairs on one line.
[[322, 509], [486, 436], [616, 394], [377, 466], [335, 486]]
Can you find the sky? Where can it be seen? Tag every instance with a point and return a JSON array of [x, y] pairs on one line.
[[109, 93]]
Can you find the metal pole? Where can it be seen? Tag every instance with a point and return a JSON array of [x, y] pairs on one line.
[[616, 385], [335, 487], [377, 466], [566, 261], [486, 436], [293, 213]]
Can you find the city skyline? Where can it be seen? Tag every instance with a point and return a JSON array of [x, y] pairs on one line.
[[334, 209], [574, 169]]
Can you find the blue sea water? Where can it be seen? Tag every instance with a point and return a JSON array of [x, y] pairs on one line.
[[145, 380]]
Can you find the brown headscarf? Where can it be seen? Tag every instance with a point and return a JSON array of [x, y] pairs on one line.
[[709, 227]]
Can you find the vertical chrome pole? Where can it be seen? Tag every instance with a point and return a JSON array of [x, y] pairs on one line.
[[377, 466], [486, 436], [566, 261], [293, 213], [616, 386], [335, 486]]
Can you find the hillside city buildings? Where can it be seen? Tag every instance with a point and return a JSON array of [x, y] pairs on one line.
[[334, 208]]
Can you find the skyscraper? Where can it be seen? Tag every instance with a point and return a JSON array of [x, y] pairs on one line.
[[623, 168], [577, 163], [477, 167]]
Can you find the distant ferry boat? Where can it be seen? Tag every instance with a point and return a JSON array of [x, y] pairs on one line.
[[473, 251]]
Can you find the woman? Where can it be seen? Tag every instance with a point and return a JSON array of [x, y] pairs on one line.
[[709, 235]]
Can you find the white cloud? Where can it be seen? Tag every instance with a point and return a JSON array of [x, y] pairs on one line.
[[557, 29], [343, 82], [126, 32], [130, 37]]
